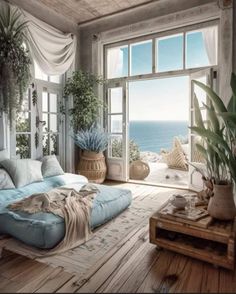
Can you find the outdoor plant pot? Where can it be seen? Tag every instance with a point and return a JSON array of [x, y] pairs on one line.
[[139, 170], [93, 166], [221, 205]]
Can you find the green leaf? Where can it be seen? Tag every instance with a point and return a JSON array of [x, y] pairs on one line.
[[211, 114], [233, 84], [218, 103], [215, 138], [197, 113], [229, 117]]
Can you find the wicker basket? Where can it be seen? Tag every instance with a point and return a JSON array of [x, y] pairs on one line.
[[92, 165], [139, 170]]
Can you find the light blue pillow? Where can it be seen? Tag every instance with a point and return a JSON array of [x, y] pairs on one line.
[[5, 180], [23, 171], [3, 155], [51, 166]]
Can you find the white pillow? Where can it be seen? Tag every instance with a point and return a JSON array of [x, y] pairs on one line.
[[3, 155], [23, 171], [5, 180], [51, 167]]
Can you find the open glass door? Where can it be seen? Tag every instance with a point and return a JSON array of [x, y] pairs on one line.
[[195, 157], [117, 128]]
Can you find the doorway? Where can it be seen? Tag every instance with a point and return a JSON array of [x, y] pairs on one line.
[[158, 130]]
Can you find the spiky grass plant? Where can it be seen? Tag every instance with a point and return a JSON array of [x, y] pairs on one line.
[[93, 139], [14, 60]]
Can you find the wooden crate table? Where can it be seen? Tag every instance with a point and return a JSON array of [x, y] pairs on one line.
[[205, 239]]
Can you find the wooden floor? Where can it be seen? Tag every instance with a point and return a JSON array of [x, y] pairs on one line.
[[134, 265]]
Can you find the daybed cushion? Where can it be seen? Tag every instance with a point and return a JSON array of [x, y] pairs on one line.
[[45, 230], [51, 166], [23, 171]]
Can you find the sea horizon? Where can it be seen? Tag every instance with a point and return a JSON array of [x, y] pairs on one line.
[[154, 135]]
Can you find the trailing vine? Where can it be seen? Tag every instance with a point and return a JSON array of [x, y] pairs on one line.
[[14, 61]]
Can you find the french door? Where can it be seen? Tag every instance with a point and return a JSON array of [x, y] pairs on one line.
[[206, 77], [117, 124], [51, 127]]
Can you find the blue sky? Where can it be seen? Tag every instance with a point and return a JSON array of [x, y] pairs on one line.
[[163, 99]]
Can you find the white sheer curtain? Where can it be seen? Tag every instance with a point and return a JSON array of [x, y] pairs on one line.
[[53, 50], [114, 62], [210, 37]]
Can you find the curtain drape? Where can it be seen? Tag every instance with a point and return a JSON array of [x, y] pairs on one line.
[[53, 50], [210, 38], [115, 62]]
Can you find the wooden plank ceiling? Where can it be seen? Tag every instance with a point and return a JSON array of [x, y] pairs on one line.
[[81, 11]]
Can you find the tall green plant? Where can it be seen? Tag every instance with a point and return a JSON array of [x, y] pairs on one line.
[[218, 135], [14, 60], [86, 104]]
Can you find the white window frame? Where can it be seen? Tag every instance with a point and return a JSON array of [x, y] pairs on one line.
[[40, 86]]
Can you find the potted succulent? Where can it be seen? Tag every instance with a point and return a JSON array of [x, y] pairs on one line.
[[218, 149], [93, 142]]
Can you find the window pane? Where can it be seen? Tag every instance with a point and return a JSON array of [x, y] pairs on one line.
[[54, 144], [117, 62], [45, 122], [169, 51], [141, 58], [45, 144], [53, 123], [201, 47], [26, 101], [54, 79], [45, 102], [39, 73], [116, 124], [53, 102], [23, 122], [116, 97], [115, 146], [23, 146]]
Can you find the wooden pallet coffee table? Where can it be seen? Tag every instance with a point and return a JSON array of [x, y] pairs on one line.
[[206, 239]]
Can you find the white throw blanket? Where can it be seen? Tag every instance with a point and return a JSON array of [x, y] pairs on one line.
[[72, 205]]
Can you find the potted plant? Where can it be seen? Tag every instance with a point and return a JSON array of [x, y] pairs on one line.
[[93, 142], [218, 149], [14, 60], [86, 104]]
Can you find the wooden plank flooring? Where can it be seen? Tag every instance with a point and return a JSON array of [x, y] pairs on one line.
[[134, 265]]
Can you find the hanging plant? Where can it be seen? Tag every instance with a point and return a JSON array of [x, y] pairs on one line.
[[14, 61]]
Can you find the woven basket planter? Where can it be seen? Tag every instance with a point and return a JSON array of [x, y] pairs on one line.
[[92, 165]]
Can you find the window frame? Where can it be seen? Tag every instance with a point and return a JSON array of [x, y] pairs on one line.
[[153, 37], [40, 86]]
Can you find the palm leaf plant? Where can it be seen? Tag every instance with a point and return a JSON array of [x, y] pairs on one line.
[[218, 149], [218, 135], [14, 60]]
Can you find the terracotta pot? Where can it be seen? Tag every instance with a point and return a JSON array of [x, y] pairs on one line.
[[92, 165], [221, 205]]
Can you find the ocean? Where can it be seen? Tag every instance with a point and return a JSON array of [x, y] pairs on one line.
[[156, 135]]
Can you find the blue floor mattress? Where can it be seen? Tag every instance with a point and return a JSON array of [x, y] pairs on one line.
[[46, 230]]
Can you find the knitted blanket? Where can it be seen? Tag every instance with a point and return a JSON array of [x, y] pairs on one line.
[[74, 206]]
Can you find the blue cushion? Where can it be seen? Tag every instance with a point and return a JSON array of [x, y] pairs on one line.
[[46, 230]]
